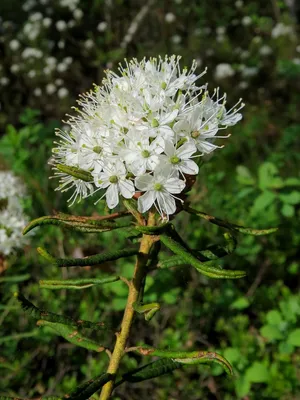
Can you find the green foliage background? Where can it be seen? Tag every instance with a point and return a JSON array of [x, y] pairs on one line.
[[253, 181]]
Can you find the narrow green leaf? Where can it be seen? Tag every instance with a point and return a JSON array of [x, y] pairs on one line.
[[85, 390], [77, 284], [72, 336], [152, 230], [37, 313], [78, 173], [170, 262], [80, 224], [228, 225], [211, 271], [15, 278], [211, 253], [152, 370], [18, 336], [187, 357], [149, 310], [88, 261]]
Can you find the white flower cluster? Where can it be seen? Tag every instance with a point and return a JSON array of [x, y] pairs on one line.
[[12, 218], [141, 132]]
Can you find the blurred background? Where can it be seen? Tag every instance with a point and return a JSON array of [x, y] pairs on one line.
[[52, 50]]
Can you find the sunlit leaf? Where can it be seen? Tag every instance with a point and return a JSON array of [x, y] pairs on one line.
[[77, 284]]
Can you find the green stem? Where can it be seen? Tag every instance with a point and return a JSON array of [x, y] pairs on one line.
[[136, 286]]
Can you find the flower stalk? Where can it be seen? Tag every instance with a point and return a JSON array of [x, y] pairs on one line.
[[136, 287]]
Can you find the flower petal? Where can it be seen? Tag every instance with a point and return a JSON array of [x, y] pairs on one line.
[[174, 185], [126, 188], [112, 196], [146, 201], [166, 202], [144, 182]]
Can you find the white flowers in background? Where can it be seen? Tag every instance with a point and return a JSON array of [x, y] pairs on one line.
[[248, 72], [61, 44], [246, 20], [176, 39], [37, 92], [62, 92], [14, 45], [280, 29], [31, 52], [143, 130], [221, 30], [170, 18], [12, 218], [15, 68], [77, 13], [70, 4], [50, 88], [239, 4], [32, 74], [47, 22], [265, 50], [61, 25], [102, 26], [224, 71], [4, 81], [89, 44]]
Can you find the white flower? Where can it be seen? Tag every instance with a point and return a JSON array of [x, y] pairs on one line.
[[170, 17], [248, 72], [140, 154], [4, 81], [180, 158], [102, 26], [140, 131], [224, 71], [31, 74], [113, 179], [14, 45], [89, 44], [265, 50], [12, 218], [246, 21], [61, 25], [37, 92], [37, 16], [31, 52], [221, 30], [78, 13], [176, 39], [159, 190], [50, 88], [239, 4], [47, 22], [15, 68], [62, 67], [62, 92], [280, 29]]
